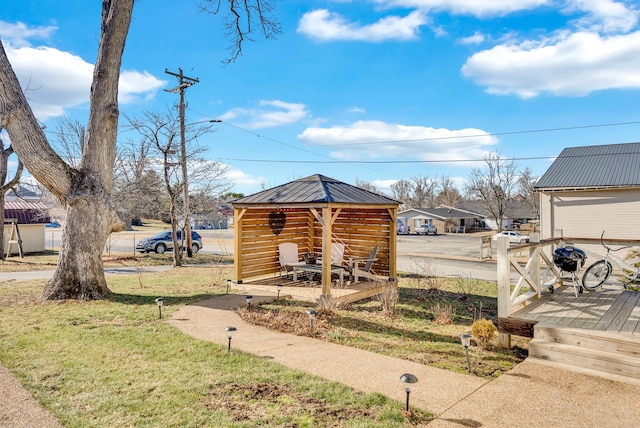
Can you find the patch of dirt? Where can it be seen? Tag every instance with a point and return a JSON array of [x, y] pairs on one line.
[[268, 404]]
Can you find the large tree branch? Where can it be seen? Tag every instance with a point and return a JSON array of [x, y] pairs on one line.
[[27, 138], [99, 150]]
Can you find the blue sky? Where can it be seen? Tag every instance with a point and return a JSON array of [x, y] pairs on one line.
[[377, 90]]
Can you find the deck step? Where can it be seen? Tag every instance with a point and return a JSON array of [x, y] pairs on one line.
[[605, 354], [591, 339]]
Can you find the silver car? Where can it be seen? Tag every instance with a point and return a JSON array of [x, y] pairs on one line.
[[162, 242]]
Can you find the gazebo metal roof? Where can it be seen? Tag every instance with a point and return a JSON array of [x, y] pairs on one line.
[[315, 189]]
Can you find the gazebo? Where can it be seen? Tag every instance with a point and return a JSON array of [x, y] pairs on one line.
[[313, 212]]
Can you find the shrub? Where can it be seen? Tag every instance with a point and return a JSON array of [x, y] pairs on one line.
[[427, 275], [388, 300], [443, 313], [466, 285], [483, 331]]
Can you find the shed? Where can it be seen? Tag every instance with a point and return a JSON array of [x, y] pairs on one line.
[[313, 212], [31, 218], [590, 189]]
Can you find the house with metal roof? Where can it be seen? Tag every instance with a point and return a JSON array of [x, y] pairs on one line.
[[590, 189], [315, 213]]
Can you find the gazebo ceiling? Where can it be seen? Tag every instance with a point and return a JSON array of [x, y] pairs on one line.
[[315, 189]]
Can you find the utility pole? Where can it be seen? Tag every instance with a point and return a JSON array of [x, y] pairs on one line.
[[183, 83]]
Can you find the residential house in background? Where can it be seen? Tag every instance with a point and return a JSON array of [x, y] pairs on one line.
[[446, 219], [520, 212], [590, 189]]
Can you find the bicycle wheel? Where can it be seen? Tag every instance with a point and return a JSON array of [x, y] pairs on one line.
[[596, 275]]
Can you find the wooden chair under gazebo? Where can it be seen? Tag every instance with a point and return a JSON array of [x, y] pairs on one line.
[[317, 213]]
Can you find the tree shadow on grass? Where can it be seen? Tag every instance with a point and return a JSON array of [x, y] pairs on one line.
[[137, 299], [377, 328]]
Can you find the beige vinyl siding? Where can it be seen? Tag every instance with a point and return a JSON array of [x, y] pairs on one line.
[[32, 238], [586, 214]]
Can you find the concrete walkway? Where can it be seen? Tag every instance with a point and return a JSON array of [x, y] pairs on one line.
[[530, 395]]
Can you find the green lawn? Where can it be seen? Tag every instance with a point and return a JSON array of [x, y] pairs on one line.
[[114, 363]]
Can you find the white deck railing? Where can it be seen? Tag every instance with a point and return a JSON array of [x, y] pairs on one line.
[[523, 272]]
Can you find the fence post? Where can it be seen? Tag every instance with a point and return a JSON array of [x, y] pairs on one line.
[[535, 263], [504, 287]]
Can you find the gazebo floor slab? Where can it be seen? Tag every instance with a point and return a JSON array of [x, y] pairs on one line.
[[311, 291]]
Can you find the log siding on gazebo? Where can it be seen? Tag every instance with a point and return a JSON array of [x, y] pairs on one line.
[[313, 212]]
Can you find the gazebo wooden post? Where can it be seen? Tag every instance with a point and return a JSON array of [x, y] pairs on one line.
[[393, 213], [326, 253], [237, 248]]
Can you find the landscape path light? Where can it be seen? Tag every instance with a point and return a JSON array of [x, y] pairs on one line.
[[229, 331], [465, 338], [312, 316], [248, 300], [228, 284], [408, 378], [279, 288], [159, 302]]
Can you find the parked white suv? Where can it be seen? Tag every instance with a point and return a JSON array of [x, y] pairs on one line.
[[426, 229]]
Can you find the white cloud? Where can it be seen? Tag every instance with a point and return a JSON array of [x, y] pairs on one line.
[[135, 85], [355, 109], [240, 178], [324, 25], [480, 8], [384, 185], [604, 15], [55, 80], [267, 114], [19, 32], [476, 39], [571, 64], [359, 142]]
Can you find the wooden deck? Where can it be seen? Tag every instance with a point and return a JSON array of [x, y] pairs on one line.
[[611, 309], [596, 333], [310, 291]]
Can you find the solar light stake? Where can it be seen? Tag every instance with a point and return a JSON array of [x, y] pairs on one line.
[[228, 283], [248, 299], [159, 302], [408, 390], [312, 315], [279, 287], [408, 378], [465, 338], [229, 330]]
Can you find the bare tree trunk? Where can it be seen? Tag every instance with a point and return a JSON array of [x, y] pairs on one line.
[[85, 191], [80, 274]]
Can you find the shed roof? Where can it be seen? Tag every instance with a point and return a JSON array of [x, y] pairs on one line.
[[27, 212], [613, 165], [315, 189]]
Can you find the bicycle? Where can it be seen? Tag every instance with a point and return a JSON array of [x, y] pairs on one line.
[[598, 273]]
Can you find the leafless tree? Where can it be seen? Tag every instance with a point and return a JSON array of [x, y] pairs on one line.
[[402, 191], [366, 185], [5, 185], [86, 190], [493, 186], [161, 131], [526, 183], [138, 187], [448, 194], [424, 192], [70, 137]]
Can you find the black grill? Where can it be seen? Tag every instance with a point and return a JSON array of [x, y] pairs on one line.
[[569, 259]]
